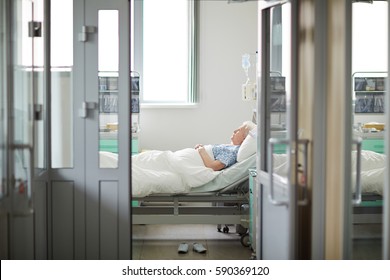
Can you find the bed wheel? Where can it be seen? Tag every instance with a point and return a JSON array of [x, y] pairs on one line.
[[245, 240], [226, 229]]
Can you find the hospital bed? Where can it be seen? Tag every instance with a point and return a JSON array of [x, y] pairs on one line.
[[369, 210], [223, 200], [176, 187], [372, 169]]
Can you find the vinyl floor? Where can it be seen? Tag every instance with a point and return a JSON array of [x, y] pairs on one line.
[[161, 242]]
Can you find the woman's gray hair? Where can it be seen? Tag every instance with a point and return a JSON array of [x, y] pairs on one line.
[[248, 127]]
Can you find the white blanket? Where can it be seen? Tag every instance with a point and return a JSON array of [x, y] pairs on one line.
[[371, 175], [372, 171], [179, 172], [169, 172]]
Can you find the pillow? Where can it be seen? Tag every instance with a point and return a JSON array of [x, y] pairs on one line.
[[248, 146]]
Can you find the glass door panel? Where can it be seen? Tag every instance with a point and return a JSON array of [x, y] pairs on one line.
[[37, 33], [61, 51], [21, 129], [108, 48], [280, 80], [369, 68]]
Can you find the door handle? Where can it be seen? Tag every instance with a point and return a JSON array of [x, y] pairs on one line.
[[305, 199], [272, 142], [85, 106], [357, 196]]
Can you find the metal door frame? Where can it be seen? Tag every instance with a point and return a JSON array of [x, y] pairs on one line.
[[386, 191]]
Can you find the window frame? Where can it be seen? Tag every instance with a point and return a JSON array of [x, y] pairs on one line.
[[192, 92]]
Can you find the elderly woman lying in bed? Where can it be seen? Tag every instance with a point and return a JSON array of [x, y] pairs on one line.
[[225, 155], [180, 171]]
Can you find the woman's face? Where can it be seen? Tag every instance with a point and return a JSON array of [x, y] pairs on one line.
[[238, 135]]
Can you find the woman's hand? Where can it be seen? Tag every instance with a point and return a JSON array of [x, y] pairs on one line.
[[201, 149], [209, 162]]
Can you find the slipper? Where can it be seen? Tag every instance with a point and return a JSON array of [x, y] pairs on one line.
[[199, 248], [183, 248]]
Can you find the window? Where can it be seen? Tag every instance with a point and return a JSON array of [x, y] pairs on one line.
[[164, 51]]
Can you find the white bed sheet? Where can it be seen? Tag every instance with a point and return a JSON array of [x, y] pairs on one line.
[[169, 172], [372, 171], [371, 175]]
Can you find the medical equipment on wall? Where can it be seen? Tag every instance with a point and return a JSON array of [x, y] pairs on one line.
[[368, 95], [249, 88], [135, 110]]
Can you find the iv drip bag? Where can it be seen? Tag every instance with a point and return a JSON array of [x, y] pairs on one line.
[[245, 62]]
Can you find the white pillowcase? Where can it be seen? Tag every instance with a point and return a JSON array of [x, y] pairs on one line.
[[248, 147]]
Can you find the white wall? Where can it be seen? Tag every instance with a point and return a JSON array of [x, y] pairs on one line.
[[226, 32]]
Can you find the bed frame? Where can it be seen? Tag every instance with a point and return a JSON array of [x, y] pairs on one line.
[[369, 211], [226, 206]]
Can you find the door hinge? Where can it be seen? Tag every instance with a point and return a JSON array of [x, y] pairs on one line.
[[83, 35], [38, 112], [34, 29], [83, 111]]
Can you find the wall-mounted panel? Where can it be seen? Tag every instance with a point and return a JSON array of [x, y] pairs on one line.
[[63, 220], [22, 239], [109, 242], [40, 219]]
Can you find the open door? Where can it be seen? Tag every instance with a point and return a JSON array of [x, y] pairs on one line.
[[64, 95], [107, 101], [90, 175], [21, 85], [279, 148]]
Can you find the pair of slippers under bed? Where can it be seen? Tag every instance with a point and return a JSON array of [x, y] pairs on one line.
[[196, 247]]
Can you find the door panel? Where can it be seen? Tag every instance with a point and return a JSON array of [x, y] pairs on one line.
[[108, 217], [274, 246], [23, 89], [67, 159], [107, 187], [89, 214], [3, 138], [40, 219], [277, 135], [22, 49], [63, 212]]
